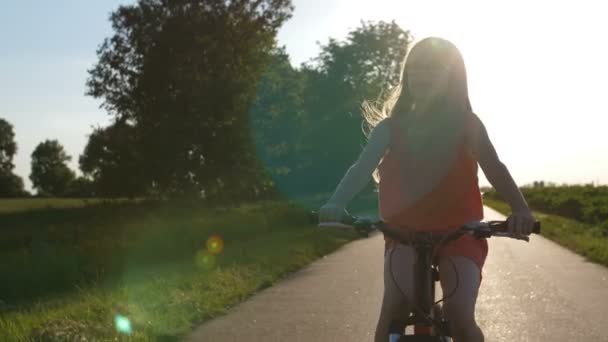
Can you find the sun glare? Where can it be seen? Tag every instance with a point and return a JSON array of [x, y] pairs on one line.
[[535, 71]]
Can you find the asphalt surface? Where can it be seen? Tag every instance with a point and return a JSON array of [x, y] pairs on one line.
[[535, 291]]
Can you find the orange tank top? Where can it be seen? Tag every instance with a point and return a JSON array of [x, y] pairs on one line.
[[455, 200]]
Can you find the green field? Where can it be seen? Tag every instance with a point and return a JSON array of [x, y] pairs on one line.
[[584, 203], [15, 205], [74, 270], [589, 240], [24, 204]]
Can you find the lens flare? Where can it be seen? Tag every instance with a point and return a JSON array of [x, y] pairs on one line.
[[215, 244], [205, 260], [123, 325]]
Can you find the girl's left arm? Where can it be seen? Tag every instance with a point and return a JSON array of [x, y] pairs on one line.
[[521, 221]]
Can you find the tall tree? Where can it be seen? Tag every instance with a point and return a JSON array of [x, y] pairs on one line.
[[8, 146], [81, 187], [310, 119], [347, 73], [50, 173], [11, 185], [110, 159], [184, 74], [278, 119]]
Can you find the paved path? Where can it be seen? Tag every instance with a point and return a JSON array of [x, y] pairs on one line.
[[530, 292]]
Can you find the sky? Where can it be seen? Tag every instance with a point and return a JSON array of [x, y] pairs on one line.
[[536, 72]]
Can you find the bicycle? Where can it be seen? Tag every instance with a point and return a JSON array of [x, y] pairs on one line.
[[427, 319]]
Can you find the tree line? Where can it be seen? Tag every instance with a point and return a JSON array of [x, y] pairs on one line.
[[50, 174], [205, 104]]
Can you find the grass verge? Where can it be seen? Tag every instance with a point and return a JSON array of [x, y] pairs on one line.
[[585, 239], [147, 273]]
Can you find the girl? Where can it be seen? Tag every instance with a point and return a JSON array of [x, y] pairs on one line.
[[426, 143]]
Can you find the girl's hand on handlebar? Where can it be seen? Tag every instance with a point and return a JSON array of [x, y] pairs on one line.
[[521, 223]]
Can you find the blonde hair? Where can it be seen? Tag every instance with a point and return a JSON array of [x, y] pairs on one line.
[[383, 107], [397, 101]]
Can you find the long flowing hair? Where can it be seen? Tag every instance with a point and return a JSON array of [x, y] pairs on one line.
[[450, 107]]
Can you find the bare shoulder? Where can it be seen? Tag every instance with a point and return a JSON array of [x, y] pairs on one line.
[[383, 125], [382, 129], [380, 135], [475, 122]]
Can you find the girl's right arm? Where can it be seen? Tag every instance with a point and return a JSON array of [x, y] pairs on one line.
[[358, 175]]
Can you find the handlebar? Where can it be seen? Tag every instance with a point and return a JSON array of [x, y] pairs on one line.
[[479, 229]]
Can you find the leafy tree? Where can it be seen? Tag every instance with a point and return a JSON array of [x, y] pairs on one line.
[[11, 185], [347, 73], [278, 118], [309, 120], [8, 146], [184, 74], [80, 187], [110, 159], [50, 174]]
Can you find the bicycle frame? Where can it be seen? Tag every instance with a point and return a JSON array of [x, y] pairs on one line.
[[426, 275], [428, 320]]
